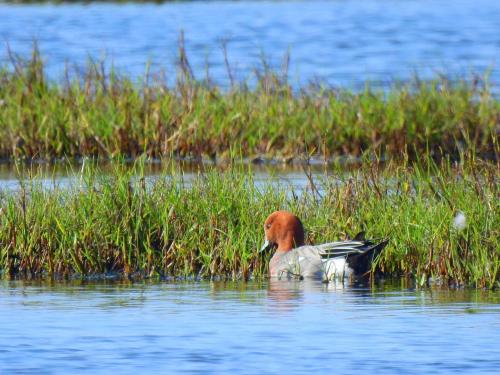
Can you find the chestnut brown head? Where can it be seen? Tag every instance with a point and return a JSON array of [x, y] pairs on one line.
[[283, 231]]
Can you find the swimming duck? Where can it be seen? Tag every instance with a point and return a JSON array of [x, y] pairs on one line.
[[342, 259]]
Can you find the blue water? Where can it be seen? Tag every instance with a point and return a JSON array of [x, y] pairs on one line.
[[345, 42], [269, 328], [67, 175]]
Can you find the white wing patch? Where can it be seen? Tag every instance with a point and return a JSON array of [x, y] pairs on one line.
[[336, 268]]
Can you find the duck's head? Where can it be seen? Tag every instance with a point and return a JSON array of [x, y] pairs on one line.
[[283, 232]]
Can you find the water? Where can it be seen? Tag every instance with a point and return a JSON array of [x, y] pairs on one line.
[[277, 327], [344, 42], [66, 174], [274, 327]]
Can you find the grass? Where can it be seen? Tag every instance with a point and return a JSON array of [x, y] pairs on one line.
[[99, 112], [120, 222]]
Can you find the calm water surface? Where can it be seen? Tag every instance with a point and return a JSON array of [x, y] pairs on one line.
[[277, 327], [65, 174], [345, 41]]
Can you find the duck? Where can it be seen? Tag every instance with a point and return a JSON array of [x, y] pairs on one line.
[[348, 259]]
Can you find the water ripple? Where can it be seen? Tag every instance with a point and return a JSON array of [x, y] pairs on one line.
[[344, 42]]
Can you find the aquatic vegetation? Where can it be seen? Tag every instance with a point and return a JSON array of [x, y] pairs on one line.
[[98, 112], [121, 222]]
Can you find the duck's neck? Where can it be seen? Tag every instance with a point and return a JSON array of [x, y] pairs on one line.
[[287, 243]]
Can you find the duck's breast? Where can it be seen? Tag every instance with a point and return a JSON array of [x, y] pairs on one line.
[[303, 261]]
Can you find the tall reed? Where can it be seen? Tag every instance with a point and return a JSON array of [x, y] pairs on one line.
[[99, 112], [211, 226]]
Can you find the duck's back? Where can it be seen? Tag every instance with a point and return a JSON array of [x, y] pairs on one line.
[[327, 261]]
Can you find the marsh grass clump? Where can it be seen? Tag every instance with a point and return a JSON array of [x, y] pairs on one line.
[[99, 112], [211, 226]]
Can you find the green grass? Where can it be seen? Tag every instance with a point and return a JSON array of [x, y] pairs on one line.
[[99, 112], [119, 222]]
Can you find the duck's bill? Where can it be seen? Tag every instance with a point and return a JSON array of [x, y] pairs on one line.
[[266, 246]]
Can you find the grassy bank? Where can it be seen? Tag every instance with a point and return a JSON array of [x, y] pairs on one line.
[[101, 113], [121, 223]]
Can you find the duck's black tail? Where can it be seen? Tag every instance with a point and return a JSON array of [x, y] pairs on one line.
[[362, 263]]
